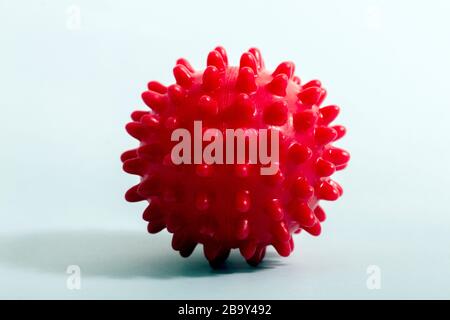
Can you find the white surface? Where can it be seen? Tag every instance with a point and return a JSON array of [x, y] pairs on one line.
[[66, 94]]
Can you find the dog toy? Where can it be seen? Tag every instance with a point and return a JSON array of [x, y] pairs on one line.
[[224, 205]]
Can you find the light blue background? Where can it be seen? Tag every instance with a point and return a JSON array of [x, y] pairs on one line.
[[66, 94]]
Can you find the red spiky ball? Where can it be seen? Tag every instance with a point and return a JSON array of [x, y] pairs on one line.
[[233, 206]]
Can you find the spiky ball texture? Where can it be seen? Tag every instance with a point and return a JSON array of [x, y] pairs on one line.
[[233, 206]]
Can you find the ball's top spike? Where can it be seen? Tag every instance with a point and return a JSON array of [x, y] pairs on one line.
[[248, 60], [211, 78], [276, 113], [299, 153], [275, 210], [340, 131], [281, 232], [287, 68], [311, 95], [328, 114], [132, 195], [302, 189], [324, 135], [138, 114], [176, 93], [216, 59], [324, 168], [223, 53], [134, 166], [312, 83], [182, 76], [337, 186], [130, 154], [278, 84], [153, 211], [258, 57], [246, 80], [157, 87], [186, 63], [304, 120], [337, 156], [327, 191], [303, 214], [154, 100], [320, 213], [315, 230], [150, 120]]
